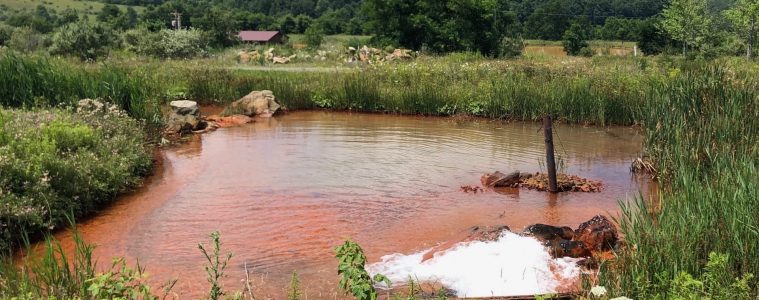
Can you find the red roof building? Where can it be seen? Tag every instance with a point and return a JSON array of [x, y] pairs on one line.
[[261, 36]]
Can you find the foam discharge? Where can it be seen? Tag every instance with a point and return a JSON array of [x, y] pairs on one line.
[[510, 266]]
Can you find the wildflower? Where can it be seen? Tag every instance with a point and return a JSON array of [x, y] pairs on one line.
[[621, 298], [598, 291]]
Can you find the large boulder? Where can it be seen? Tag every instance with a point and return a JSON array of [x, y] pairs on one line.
[[184, 117], [498, 179], [255, 104], [598, 234]]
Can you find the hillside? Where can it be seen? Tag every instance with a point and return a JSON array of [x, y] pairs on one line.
[[81, 6]]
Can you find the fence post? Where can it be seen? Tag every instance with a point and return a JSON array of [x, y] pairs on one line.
[[550, 160]]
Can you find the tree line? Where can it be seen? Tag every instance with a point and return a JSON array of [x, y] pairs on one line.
[[692, 27]]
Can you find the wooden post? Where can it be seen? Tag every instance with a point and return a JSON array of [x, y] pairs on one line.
[[550, 160]]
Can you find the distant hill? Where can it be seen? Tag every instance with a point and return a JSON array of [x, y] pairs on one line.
[[81, 6]]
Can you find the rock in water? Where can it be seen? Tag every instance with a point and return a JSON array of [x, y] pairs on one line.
[[564, 248], [598, 234], [498, 179], [184, 118], [257, 103], [545, 232]]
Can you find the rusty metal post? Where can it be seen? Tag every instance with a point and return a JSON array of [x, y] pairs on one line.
[[550, 160]]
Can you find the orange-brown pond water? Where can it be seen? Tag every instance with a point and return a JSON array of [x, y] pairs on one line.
[[285, 191]]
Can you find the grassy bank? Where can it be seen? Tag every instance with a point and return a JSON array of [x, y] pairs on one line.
[[701, 131], [57, 162]]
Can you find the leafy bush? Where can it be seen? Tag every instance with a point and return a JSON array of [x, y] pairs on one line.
[[585, 51], [511, 47], [353, 276], [57, 162], [576, 38], [83, 39], [175, 44], [714, 283], [26, 39], [5, 34], [314, 36]]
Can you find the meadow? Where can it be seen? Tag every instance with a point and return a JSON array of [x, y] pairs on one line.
[[699, 119]]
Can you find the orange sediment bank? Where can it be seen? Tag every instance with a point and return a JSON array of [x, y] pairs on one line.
[[284, 191]]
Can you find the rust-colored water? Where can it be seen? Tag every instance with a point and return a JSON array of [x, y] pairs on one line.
[[285, 191]]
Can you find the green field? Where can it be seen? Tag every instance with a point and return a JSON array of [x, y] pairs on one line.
[[83, 7]]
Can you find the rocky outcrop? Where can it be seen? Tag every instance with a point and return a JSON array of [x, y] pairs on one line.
[[184, 117], [255, 104], [498, 179], [598, 234]]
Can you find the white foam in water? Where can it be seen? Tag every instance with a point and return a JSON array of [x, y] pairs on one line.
[[512, 265]]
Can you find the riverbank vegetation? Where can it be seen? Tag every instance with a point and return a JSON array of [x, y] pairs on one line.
[[58, 162]]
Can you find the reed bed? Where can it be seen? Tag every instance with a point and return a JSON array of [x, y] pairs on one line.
[[35, 81], [701, 130]]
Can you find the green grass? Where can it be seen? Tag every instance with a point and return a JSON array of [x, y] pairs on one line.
[[82, 6], [701, 132]]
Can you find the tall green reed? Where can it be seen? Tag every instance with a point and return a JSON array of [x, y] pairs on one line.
[[701, 130]]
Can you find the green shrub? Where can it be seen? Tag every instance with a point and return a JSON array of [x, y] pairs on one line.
[[167, 44], [56, 163], [5, 34], [576, 37], [85, 40], [586, 52], [511, 47], [353, 276], [26, 39], [314, 36]]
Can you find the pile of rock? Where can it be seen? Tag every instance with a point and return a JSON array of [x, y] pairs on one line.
[[370, 55], [595, 235], [268, 56], [185, 116], [539, 181]]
